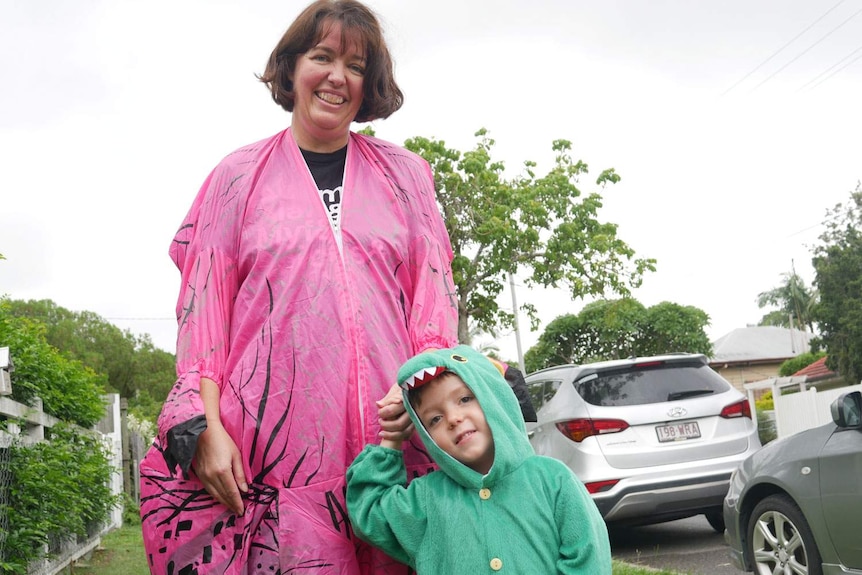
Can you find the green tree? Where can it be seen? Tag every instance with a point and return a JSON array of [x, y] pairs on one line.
[[775, 318], [154, 372], [614, 329], [69, 390], [795, 301], [670, 327], [838, 276], [489, 348], [545, 224], [794, 364], [123, 363], [84, 336]]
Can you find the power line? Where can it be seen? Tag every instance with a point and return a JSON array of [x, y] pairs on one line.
[[839, 69], [830, 68], [817, 225], [807, 49], [756, 68]]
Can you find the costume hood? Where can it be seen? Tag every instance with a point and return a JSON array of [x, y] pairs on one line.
[[494, 395]]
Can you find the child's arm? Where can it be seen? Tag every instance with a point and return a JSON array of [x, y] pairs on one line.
[[584, 545], [383, 510]]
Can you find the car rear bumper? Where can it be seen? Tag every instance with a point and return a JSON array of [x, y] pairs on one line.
[[665, 500]]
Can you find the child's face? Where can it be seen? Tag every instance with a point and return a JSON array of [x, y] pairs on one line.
[[455, 421]]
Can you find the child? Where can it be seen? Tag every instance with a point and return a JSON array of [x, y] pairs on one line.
[[494, 505]]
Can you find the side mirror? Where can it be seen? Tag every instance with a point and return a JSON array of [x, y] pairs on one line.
[[847, 410]]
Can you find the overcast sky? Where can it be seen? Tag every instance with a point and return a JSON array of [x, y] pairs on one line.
[[734, 125]]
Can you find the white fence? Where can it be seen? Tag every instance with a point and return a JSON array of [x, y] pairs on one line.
[[796, 412]]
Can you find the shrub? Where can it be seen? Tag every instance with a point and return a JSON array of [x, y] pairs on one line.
[[765, 403], [69, 391], [765, 427], [801, 361], [59, 488]]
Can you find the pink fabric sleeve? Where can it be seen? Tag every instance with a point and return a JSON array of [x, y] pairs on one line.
[[434, 316], [208, 288]]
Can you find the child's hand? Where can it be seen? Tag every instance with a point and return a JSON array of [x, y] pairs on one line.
[[395, 424]]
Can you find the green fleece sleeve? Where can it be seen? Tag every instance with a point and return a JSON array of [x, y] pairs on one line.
[[584, 545], [383, 509]]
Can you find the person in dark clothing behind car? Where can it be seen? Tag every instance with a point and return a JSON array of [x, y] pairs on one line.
[[515, 379]]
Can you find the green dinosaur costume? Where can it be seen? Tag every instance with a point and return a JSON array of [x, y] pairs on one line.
[[529, 515]]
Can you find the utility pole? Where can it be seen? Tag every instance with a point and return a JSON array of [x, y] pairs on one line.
[[517, 329]]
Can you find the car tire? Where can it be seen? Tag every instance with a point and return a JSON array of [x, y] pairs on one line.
[[775, 522], [715, 520]]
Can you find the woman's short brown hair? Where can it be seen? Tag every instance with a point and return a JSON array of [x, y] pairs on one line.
[[381, 95]]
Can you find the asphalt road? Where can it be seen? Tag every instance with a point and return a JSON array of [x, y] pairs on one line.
[[686, 546]]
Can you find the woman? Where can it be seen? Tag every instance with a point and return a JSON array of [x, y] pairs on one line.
[[313, 264]]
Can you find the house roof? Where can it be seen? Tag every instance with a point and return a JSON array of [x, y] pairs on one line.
[[760, 344], [816, 370]]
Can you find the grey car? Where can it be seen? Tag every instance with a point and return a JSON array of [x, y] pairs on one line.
[[794, 506], [653, 438]]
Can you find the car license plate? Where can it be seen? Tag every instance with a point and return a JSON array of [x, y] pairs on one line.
[[678, 431]]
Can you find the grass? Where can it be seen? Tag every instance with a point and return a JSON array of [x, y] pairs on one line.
[[621, 568], [122, 551]]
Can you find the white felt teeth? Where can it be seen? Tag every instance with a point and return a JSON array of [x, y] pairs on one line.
[[423, 376]]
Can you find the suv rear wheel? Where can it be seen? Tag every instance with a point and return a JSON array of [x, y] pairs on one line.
[[715, 520]]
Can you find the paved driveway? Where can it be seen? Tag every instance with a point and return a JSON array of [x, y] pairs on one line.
[[687, 546]]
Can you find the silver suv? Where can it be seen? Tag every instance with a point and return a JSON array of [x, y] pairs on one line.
[[653, 438]]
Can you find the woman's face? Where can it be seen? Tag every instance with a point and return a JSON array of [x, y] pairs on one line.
[[327, 85]]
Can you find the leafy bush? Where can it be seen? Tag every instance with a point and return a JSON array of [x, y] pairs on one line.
[[765, 427], [765, 403], [69, 391], [59, 488], [801, 361], [131, 511]]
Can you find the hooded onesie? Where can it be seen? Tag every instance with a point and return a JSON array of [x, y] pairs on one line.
[[302, 334], [529, 515]]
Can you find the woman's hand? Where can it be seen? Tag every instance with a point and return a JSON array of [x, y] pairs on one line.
[[218, 465], [395, 424]]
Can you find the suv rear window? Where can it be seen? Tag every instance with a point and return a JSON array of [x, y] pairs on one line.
[[637, 386]]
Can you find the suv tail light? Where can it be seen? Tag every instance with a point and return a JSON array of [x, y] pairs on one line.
[[738, 409], [579, 429], [601, 486]]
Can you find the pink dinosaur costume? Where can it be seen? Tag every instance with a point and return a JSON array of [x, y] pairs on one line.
[[301, 338]]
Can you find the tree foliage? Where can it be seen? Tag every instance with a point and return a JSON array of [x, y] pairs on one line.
[[69, 390], [121, 362], [838, 276], [801, 361], [614, 329], [795, 302], [543, 223]]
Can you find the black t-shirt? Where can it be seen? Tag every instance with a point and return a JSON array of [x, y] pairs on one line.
[[327, 169]]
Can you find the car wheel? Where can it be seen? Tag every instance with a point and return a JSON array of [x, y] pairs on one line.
[[780, 540], [715, 520]]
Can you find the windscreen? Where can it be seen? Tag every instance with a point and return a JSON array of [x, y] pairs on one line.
[[655, 384]]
